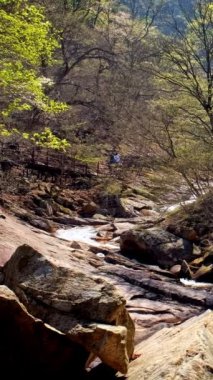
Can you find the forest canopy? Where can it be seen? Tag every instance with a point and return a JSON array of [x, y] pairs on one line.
[[134, 75]]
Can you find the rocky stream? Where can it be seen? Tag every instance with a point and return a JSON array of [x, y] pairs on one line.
[[106, 297]]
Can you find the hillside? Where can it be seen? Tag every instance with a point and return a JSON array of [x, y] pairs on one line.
[[106, 202]]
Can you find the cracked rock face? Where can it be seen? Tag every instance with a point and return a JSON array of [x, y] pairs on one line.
[[85, 308]]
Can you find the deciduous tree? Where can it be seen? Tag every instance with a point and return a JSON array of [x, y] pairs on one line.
[[26, 40]]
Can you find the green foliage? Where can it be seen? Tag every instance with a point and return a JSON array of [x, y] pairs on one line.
[[26, 40], [112, 187], [47, 139], [188, 59], [142, 191], [194, 159], [88, 154], [183, 111], [90, 12], [25, 34], [4, 132]]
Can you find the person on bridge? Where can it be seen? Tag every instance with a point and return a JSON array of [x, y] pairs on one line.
[[115, 158]]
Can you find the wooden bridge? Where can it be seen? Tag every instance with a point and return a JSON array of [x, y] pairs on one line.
[[59, 167], [41, 163]]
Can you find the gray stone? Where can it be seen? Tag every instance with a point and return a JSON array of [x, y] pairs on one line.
[[156, 246], [85, 308]]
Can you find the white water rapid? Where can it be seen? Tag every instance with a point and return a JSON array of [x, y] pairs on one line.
[[86, 234]]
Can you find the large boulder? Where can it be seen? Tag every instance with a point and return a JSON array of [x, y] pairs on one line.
[[87, 309], [193, 221], [156, 246], [88, 209], [138, 204], [183, 352], [27, 343], [114, 206]]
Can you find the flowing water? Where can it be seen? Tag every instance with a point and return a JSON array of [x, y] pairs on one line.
[[195, 284], [86, 234], [176, 206]]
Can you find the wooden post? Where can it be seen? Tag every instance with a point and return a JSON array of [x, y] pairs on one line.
[[33, 155], [47, 157]]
